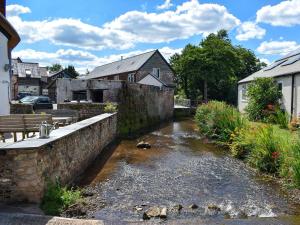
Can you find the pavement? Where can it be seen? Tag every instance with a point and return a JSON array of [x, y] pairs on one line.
[[31, 219]]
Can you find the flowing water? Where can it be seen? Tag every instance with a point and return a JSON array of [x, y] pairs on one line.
[[180, 168]]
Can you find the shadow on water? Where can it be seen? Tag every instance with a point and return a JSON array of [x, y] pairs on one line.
[[180, 168]]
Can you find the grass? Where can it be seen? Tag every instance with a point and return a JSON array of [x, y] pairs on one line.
[[264, 146], [57, 199]]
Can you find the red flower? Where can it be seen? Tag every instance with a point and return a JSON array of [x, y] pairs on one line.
[[275, 155]]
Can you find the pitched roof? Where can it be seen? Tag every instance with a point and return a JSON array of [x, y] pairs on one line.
[[8, 30], [287, 65], [122, 66]]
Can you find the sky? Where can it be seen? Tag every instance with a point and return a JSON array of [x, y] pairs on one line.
[[89, 33]]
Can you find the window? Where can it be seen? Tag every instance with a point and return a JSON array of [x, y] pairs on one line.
[[244, 92], [28, 72], [156, 72], [116, 77], [280, 86], [131, 77]]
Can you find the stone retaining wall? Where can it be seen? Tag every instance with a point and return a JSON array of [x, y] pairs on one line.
[[26, 166], [19, 108]]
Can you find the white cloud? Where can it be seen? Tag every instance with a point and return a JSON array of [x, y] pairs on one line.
[[277, 47], [15, 10], [286, 13], [166, 5], [82, 60], [250, 30], [189, 19], [266, 61]]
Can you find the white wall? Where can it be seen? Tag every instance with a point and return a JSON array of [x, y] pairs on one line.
[[241, 103], [286, 94], [4, 77], [297, 96]]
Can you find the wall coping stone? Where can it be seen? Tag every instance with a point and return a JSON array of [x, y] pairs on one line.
[[55, 134]]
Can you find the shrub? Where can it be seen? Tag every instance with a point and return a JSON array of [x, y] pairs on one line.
[[219, 120], [261, 93], [266, 154], [58, 198], [280, 117], [110, 108]]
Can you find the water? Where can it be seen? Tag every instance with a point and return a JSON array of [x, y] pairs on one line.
[[180, 168]]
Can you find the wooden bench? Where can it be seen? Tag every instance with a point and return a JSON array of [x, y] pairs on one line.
[[22, 123]]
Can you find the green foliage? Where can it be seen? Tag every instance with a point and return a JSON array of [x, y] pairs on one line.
[[219, 120], [265, 155], [281, 118], [261, 93], [110, 107], [71, 70], [55, 68], [265, 147], [58, 198], [213, 67]]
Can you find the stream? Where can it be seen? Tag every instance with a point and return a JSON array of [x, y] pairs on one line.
[[180, 168]]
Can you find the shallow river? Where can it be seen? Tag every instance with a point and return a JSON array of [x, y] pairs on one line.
[[180, 168]]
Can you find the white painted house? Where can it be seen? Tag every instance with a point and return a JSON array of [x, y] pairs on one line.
[[286, 71], [8, 40]]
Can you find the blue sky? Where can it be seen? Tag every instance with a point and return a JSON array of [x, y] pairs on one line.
[[88, 33]]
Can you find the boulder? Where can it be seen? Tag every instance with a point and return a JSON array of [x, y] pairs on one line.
[[177, 207], [143, 144], [193, 206], [153, 212]]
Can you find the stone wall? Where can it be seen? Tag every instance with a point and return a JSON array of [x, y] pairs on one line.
[[85, 110], [18, 108], [143, 106], [25, 167]]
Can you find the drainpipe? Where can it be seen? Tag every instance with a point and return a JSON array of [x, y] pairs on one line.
[[292, 94]]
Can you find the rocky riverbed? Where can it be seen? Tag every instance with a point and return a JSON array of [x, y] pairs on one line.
[[180, 177]]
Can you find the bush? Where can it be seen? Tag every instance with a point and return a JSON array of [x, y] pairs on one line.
[[261, 93], [281, 118], [265, 155], [110, 108], [57, 198], [218, 120]]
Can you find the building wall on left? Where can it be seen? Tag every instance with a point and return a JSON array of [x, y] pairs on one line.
[[4, 77]]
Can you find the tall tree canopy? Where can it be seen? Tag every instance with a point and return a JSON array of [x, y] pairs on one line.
[[55, 68], [71, 70], [212, 68]]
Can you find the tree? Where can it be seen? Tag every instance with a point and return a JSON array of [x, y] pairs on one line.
[[213, 68], [55, 68], [261, 93], [71, 70]]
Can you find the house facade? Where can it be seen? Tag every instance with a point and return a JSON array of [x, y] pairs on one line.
[[27, 78], [8, 40], [149, 68], [286, 72]]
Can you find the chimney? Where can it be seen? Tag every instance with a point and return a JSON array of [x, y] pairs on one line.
[[3, 7]]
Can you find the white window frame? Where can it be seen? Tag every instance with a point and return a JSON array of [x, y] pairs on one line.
[[28, 72], [131, 77], [116, 77], [156, 72], [244, 92]]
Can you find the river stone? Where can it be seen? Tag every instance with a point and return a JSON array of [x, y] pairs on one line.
[[144, 145], [242, 215], [153, 212], [177, 207], [193, 206], [163, 213]]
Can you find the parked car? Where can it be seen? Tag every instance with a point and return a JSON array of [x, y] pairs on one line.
[[38, 102], [22, 95]]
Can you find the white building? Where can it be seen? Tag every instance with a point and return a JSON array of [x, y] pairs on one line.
[[286, 71], [8, 40]]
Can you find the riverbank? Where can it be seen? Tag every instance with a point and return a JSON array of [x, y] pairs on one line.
[[181, 168]]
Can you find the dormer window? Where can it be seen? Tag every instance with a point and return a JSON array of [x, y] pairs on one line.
[[28, 72], [156, 72]]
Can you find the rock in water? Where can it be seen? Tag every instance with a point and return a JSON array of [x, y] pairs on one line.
[[163, 213], [153, 212], [193, 206], [143, 144], [177, 207], [145, 216]]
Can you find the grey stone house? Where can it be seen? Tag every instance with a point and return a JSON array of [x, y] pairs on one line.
[[26, 77], [148, 68], [286, 72]]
